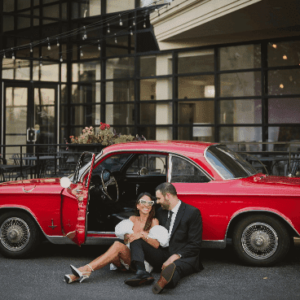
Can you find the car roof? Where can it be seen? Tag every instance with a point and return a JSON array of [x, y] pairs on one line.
[[182, 147]]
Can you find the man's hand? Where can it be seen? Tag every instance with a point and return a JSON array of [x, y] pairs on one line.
[[170, 260], [134, 236]]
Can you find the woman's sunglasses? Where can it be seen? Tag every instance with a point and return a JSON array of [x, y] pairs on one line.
[[145, 202]]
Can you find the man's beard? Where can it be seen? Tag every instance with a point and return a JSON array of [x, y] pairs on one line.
[[165, 206]]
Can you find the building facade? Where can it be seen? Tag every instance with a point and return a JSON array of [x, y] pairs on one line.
[[188, 70]]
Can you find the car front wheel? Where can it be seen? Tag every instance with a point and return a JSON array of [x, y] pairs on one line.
[[261, 240], [19, 234]]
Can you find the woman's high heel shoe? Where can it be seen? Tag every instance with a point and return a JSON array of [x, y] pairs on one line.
[[71, 278], [83, 275]]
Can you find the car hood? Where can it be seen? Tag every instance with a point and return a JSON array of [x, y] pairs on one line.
[[43, 185], [277, 180]]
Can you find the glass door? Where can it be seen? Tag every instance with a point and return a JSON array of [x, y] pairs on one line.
[[30, 113]]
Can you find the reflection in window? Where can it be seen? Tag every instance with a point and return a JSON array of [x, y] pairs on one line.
[[284, 82], [240, 84], [242, 134], [284, 110], [120, 114], [283, 134], [196, 87], [196, 61], [240, 111], [156, 65], [284, 54], [156, 89], [184, 171], [240, 57], [120, 67], [85, 94], [89, 51], [16, 69], [120, 91], [46, 72], [85, 8], [87, 71]]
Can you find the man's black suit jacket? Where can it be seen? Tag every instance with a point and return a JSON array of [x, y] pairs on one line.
[[186, 236]]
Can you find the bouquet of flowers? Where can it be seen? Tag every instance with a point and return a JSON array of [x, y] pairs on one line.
[[105, 136]]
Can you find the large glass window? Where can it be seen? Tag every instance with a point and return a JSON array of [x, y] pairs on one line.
[[156, 89], [85, 115], [122, 67], [156, 65], [284, 110], [120, 91], [87, 71], [120, 114], [84, 94]]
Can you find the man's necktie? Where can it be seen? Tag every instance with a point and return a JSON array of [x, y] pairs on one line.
[[167, 225]]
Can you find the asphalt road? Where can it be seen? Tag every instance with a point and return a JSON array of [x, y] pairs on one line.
[[41, 277]]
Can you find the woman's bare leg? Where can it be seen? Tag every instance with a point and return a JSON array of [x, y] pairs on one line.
[[113, 254]]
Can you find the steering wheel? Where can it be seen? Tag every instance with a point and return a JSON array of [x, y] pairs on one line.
[[108, 179]]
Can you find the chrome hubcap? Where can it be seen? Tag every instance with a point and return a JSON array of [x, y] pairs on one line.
[[259, 240], [14, 234]]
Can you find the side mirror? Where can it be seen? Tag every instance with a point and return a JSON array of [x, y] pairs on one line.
[[65, 182]]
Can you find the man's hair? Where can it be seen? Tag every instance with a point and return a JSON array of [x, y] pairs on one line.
[[165, 188]]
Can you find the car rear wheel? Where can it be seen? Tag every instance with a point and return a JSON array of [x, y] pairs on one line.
[[19, 234], [261, 240]]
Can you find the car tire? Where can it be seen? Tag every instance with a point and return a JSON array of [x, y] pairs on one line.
[[261, 240], [19, 234]]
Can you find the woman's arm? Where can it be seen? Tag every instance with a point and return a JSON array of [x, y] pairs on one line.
[[153, 242]]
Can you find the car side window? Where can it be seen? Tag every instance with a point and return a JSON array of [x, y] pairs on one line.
[[148, 164], [184, 171], [113, 163]]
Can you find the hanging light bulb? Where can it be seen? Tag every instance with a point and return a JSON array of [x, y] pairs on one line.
[[81, 53], [31, 50], [121, 22], [133, 22], [144, 25], [99, 46], [131, 32], [108, 30], [84, 34], [4, 55], [116, 41], [49, 46], [57, 42], [13, 55], [41, 62], [61, 59]]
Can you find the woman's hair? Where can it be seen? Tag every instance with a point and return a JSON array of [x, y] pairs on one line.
[[152, 212]]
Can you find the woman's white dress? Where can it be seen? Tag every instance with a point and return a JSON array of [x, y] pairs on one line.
[[157, 232]]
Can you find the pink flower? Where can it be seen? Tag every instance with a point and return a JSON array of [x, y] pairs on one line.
[[83, 131], [91, 127], [86, 128], [107, 126]]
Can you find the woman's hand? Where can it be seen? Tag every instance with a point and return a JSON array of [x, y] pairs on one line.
[[134, 236]]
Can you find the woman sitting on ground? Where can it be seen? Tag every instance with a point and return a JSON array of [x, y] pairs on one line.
[[142, 226]]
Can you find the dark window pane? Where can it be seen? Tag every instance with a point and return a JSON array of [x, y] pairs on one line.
[[240, 57], [120, 67], [64, 94], [51, 11], [89, 51], [8, 23], [23, 23], [22, 4], [120, 114], [284, 110], [8, 6], [120, 91], [196, 133], [196, 61], [156, 113], [284, 53], [240, 111], [196, 87], [86, 93], [240, 84], [64, 13], [196, 112], [156, 89], [87, 71], [284, 82]]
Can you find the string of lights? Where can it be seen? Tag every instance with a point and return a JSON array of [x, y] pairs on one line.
[[84, 31]]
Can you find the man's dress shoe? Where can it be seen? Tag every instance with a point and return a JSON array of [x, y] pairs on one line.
[[165, 277], [141, 277]]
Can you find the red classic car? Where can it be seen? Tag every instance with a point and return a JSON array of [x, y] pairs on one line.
[[258, 214]]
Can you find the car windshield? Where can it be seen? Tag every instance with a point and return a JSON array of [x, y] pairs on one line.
[[229, 164]]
